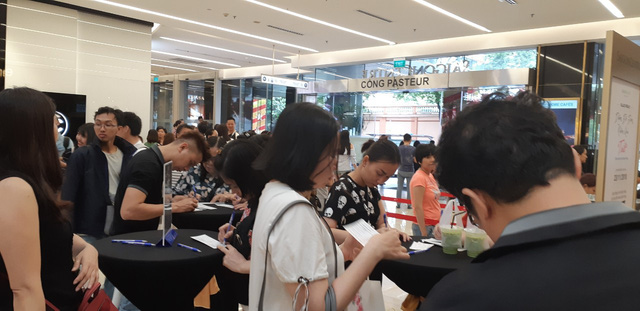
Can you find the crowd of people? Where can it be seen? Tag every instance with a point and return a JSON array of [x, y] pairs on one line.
[[298, 187]]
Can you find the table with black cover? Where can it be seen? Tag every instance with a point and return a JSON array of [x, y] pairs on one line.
[[422, 271], [205, 220], [159, 278]]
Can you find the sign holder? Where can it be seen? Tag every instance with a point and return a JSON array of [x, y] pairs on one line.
[[168, 235], [618, 149]]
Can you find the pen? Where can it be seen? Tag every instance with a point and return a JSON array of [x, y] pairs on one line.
[[194, 190], [138, 243], [385, 220], [189, 248], [122, 241], [224, 241], [418, 252]]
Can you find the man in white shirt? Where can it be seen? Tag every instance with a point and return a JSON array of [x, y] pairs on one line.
[[231, 128], [130, 130]]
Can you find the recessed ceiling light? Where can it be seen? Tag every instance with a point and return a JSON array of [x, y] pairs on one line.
[[221, 49], [447, 13], [612, 8], [164, 66], [320, 22], [196, 58], [128, 7], [179, 63]]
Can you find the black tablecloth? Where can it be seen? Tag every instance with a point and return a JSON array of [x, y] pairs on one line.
[[159, 278], [422, 271], [205, 220]]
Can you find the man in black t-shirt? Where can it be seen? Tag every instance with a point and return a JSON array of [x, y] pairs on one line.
[[138, 202]]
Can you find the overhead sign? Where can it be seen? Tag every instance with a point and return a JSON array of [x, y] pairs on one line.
[[399, 63], [566, 110], [436, 81], [300, 84]]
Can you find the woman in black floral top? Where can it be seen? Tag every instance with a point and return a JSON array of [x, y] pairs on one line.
[[203, 177], [355, 195]]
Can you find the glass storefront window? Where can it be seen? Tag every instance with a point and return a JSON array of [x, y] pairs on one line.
[[199, 102], [162, 105]]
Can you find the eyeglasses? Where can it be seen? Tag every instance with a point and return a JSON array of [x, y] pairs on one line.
[[106, 126]]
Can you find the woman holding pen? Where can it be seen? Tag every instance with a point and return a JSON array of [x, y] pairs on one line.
[[425, 191], [245, 182], [355, 195], [303, 265]]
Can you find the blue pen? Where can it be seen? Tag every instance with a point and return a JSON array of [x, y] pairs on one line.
[[138, 243], [224, 241], [123, 241], [194, 190], [418, 252], [385, 220], [189, 248]]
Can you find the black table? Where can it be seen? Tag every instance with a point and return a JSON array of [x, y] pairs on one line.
[[422, 271], [206, 220], [159, 278]]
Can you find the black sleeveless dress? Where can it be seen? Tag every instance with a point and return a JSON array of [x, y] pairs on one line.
[[56, 241]]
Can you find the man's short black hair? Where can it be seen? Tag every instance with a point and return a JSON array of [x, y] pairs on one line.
[[196, 140], [503, 147], [304, 133], [406, 137], [116, 112], [580, 149], [134, 122], [182, 126], [424, 151], [231, 118]]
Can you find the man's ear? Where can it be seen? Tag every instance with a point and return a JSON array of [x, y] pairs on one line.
[[183, 146], [482, 204]]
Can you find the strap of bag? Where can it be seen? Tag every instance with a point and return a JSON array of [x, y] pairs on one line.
[[330, 293]]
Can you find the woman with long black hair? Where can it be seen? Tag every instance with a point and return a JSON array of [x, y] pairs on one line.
[[41, 257]]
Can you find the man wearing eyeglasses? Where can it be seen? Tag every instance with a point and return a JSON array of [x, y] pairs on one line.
[[509, 162], [93, 174]]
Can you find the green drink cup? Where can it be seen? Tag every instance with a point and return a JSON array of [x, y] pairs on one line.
[[474, 242], [451, 239]]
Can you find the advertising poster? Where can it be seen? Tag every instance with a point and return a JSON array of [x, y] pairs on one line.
[[622, 137], [259, 118], [565, 110]]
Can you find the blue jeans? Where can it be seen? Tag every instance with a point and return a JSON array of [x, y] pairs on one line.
[[416, 230], [401, 177]]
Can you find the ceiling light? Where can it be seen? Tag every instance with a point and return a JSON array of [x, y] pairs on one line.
[[163, 66], [224, 50], [124, 6], [447, 13], [612, 8], [196, 58], [179, 63], [321, 22]]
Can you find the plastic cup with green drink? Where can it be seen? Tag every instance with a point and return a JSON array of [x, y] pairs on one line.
[[451, 239]]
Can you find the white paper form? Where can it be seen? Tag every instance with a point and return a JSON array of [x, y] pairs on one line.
[[207, 240], [419, 246], [203, 207], [361, 231]]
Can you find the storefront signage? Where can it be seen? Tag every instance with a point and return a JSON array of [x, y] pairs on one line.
[[399, 83], [284, 81], [399, 63], [565, 110], [462, 66]]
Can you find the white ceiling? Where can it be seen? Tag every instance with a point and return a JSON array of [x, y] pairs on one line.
[[409, 22]]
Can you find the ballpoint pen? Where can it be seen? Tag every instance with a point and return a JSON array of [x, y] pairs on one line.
[[189, 248], [123, 241], [138, 243], [224, 241], [385, 220], [193, 187], [417, 252]]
